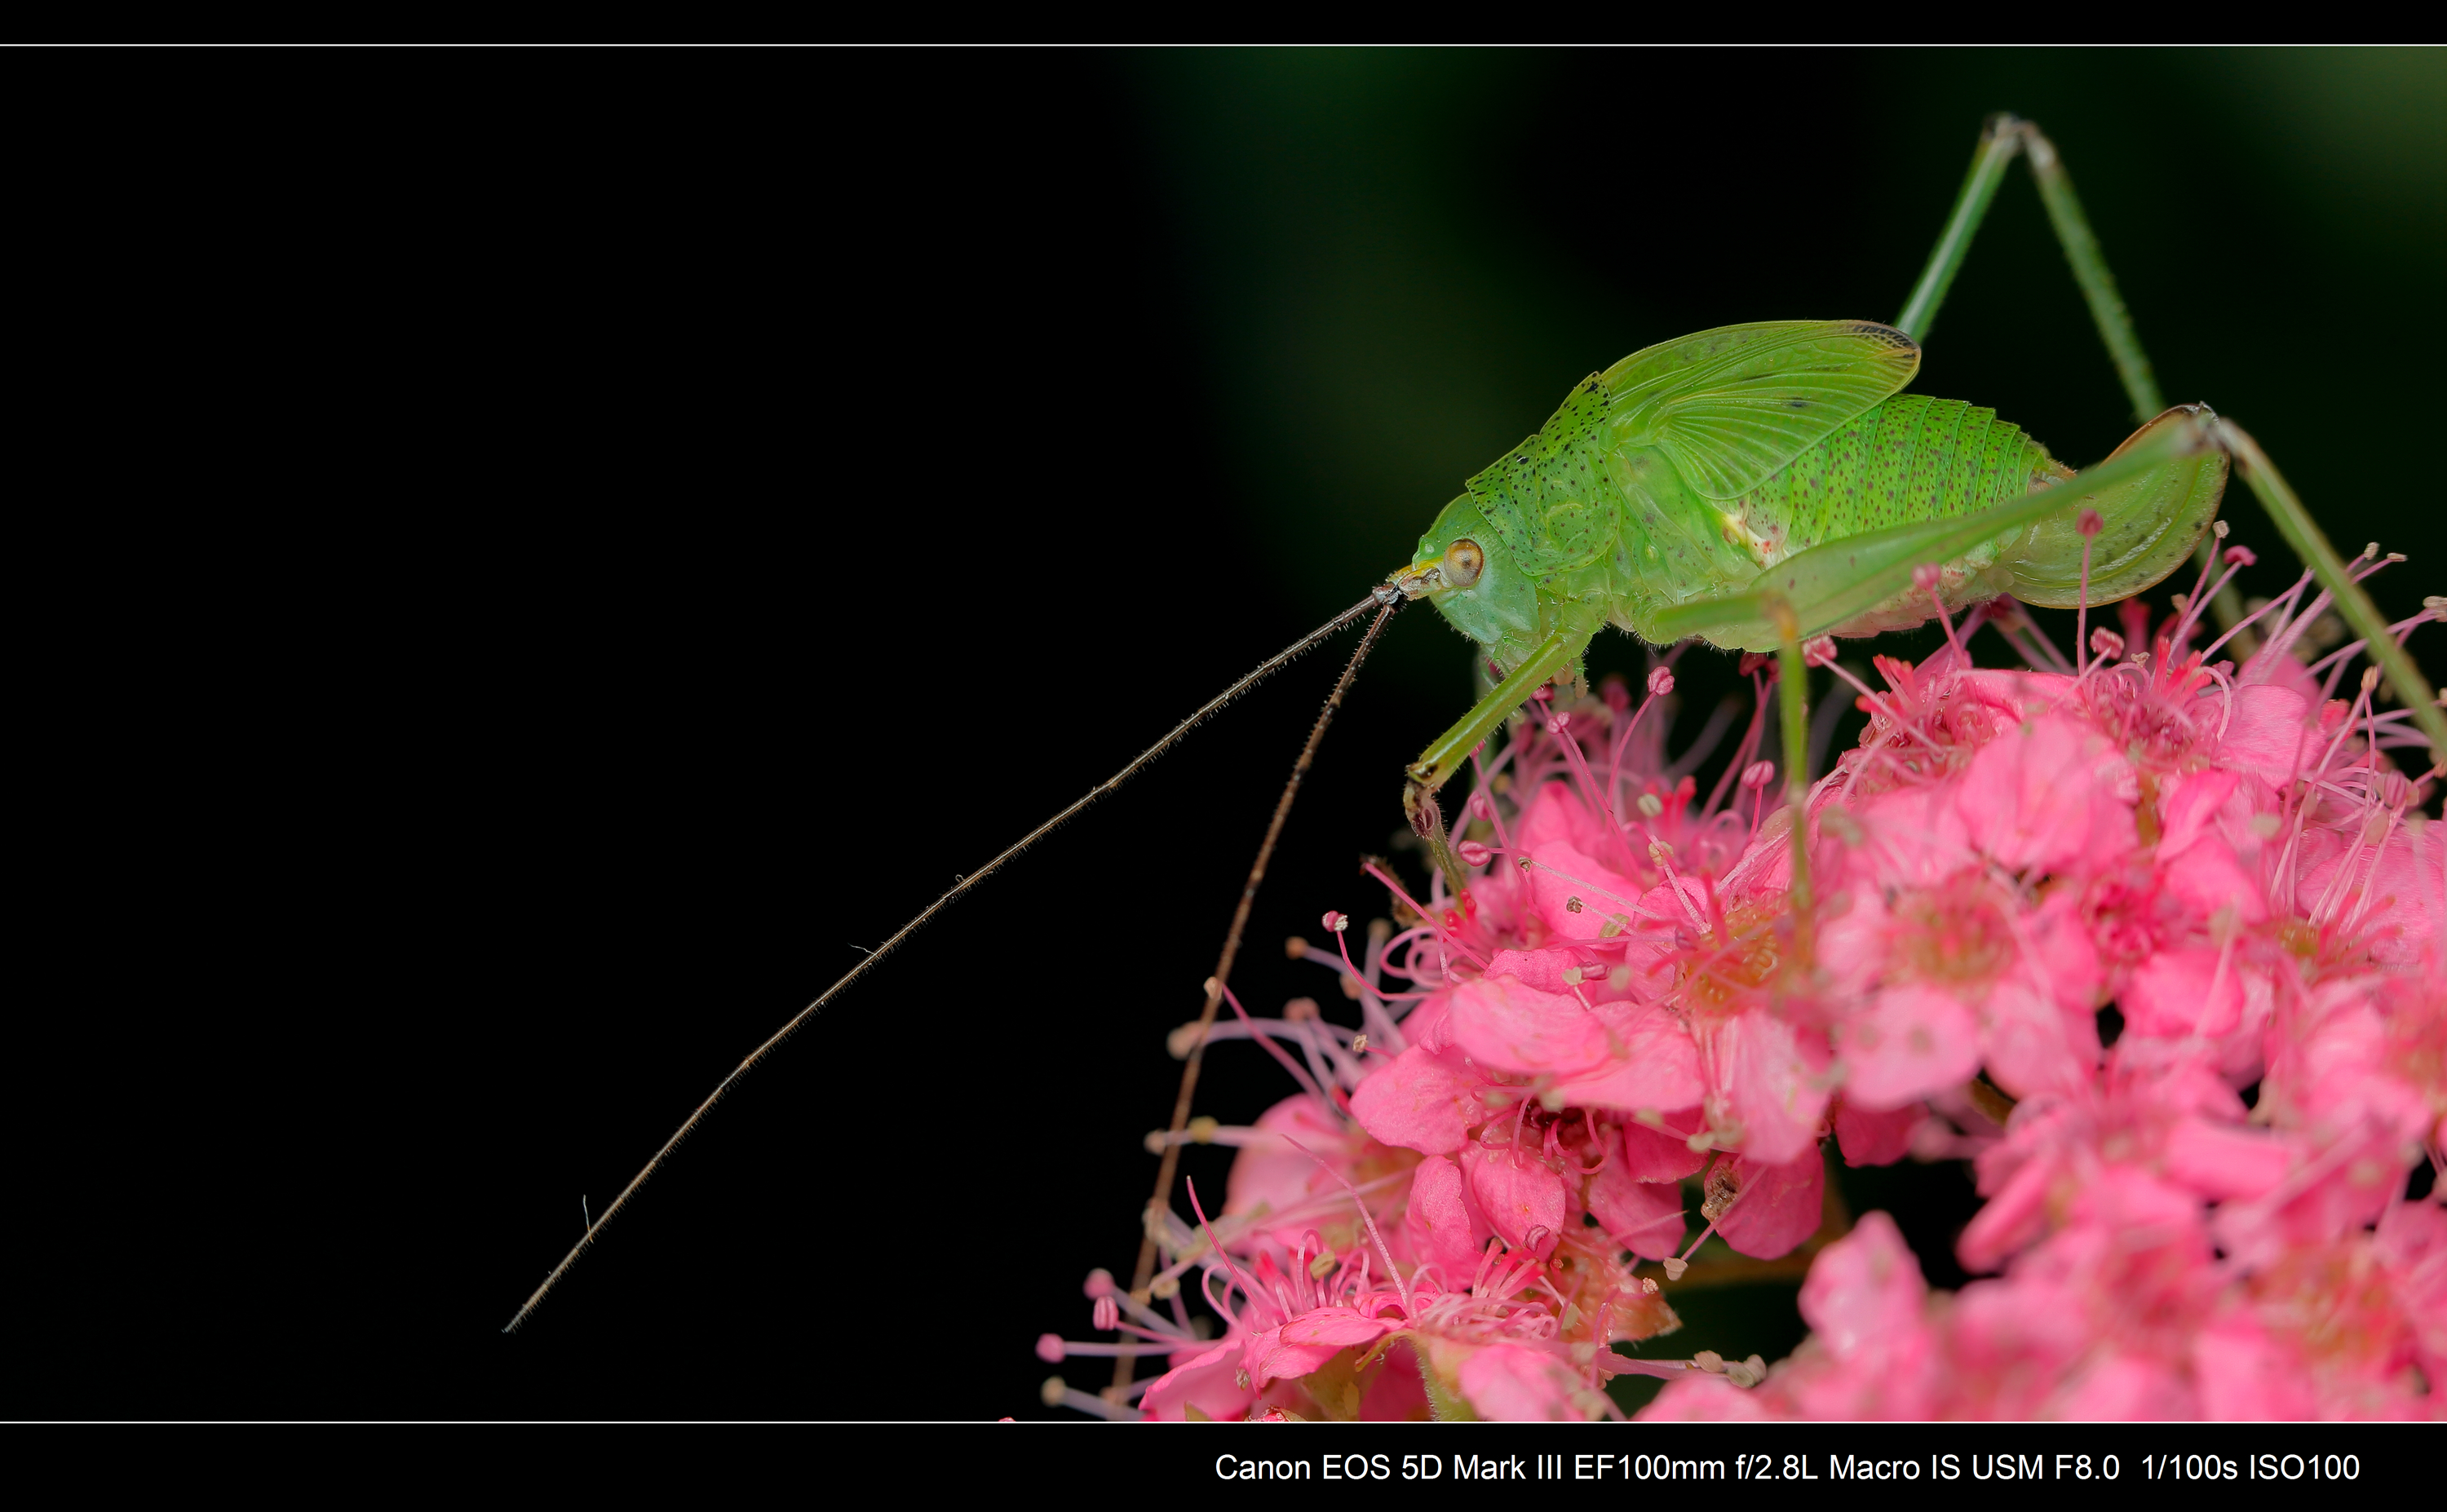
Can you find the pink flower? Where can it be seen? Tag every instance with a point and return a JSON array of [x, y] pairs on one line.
[[1623, 1004]]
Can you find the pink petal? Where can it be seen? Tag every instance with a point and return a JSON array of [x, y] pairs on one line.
[[1399, 1393], [1853, 944], [2264, 731], [1915, 837], [2125, 1389], [2244, 1376], [1876, 1138], [2044, 796], [1769, 1081], [1707, 1399], [2220, 1161], [2013, 1218], [1543, 969], [1305, 1343], [1282, 1177], [2404, 912], [1643, 1217], [2208, 877], [1557, 817], [1778, 1208], [1604, 900], [2058, 958], [1266, 1357], [1512, 1383], [2187, 803], [1208, 1381], [2170, 997], [1653, 1064], [1515, 1197], [1420, 1101], [2412, 1247], [2033, 1045], [1912, 1041], [1660, 1154], [1865, 1289], [1444, 1223], [1502, 1022]]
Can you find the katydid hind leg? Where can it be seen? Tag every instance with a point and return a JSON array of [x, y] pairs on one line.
[[1849, 583], [2354, 606], [2005, 137]]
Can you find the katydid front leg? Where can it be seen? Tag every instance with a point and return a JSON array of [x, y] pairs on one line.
[[1557, 654]]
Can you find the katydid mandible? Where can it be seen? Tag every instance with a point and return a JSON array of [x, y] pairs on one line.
[[1753, 487]]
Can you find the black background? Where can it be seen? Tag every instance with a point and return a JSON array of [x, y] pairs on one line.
[[531, 558]]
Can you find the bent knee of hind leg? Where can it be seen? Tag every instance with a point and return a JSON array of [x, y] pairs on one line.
[[2148, 525]]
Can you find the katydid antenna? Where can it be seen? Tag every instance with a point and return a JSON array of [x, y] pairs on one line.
[[1384, 599]]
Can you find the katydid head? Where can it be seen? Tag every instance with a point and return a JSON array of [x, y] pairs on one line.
[[1466, 571]]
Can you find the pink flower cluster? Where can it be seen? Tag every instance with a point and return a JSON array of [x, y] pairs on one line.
[[1478, 1192]]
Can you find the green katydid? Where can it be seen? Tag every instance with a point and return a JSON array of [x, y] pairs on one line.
[[1754, 486], [1760, 484]]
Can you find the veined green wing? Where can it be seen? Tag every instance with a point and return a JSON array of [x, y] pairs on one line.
[[1729, 406]]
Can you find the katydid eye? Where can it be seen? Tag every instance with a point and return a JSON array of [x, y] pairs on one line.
[[1464, 561]]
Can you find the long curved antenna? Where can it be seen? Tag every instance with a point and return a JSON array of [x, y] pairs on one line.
[[1384, 598], [1126, 1362]]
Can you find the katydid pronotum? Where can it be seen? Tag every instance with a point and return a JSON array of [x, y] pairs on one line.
[[1756, 486]]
